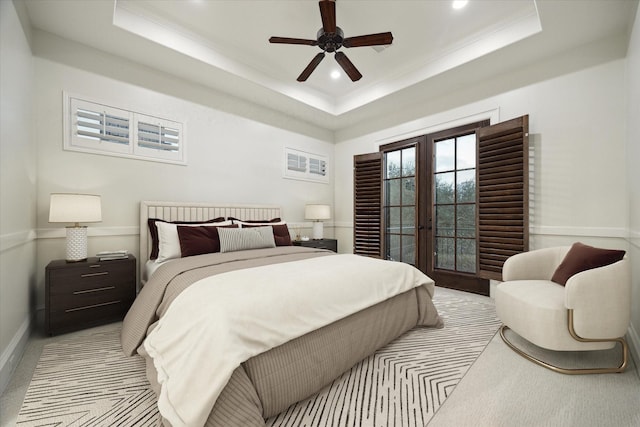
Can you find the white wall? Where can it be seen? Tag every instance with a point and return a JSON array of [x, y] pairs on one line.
[[579, 159], [633, 174], [17, 191], [230, 160], [576, 125]]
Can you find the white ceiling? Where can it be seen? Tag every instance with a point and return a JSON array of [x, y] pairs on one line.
[[224, 44]]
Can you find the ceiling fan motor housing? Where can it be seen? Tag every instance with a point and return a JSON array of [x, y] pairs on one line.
[[330, 42], [330, 38]]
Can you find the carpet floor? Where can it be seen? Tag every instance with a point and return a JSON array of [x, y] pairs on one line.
[[88, 381]]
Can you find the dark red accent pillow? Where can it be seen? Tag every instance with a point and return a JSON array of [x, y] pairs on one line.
[[199, 240], [582, 257], [153, 230], [281, 234]]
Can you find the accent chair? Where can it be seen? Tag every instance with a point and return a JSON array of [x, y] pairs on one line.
[[591, 311]]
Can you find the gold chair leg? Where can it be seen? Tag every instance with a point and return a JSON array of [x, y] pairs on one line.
[[621, 368]]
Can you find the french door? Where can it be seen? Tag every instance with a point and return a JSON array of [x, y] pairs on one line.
[[452, 203], [429, 206]]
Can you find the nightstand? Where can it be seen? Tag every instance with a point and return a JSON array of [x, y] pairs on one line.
[[331, 244], [87, 293]]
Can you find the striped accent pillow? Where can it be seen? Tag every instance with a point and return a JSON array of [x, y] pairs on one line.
[[238, 239]]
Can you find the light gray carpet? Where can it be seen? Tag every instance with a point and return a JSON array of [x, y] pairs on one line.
[[87, 381], [505, 390]]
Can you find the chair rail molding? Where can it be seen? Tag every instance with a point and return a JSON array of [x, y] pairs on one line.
[[552, 230], [60, 233], [12, 240]]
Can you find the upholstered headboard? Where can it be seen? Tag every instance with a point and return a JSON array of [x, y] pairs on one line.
[[190, 211]]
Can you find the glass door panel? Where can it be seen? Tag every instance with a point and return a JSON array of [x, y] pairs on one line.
[[400, 204], [454, 203]]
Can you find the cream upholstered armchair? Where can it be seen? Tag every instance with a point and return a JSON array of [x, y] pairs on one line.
[[590, 312]]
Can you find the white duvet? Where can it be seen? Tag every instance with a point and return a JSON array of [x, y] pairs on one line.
[[221, 321]]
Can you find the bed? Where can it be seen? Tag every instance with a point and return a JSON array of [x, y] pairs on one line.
[[231, 338]]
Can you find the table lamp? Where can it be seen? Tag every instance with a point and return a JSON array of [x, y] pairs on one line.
[[317, 213], [75, 208]]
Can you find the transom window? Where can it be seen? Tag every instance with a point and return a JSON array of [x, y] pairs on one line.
[[97, 128]]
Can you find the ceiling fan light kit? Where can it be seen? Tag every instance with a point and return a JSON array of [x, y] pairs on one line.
[[330, 38]]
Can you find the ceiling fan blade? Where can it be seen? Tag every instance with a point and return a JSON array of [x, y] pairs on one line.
[[368, 40], [289, 40], [348, 66], [328, 14], [312, 66]]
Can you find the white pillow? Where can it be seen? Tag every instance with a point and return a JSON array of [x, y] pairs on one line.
[[237, 239], [168, 241]]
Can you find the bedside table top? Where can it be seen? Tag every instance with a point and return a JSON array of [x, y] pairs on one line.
[[60, 263]]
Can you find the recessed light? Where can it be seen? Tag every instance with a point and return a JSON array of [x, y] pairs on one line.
[[459, 4], [335, 74]]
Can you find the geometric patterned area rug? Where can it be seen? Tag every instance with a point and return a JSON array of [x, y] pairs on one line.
[[405, 382], [87, 381]]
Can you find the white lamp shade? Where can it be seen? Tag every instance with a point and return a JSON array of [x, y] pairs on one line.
[[317, 212], [75, 208]]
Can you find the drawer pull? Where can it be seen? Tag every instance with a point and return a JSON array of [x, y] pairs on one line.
[[106, 288], [95, 266], [102, 273], [86, 307]]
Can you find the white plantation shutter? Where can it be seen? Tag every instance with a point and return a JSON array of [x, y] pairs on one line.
[[158, 138], [96, 126], [101, 129], [296, 162], [102, 126], [317, 166]]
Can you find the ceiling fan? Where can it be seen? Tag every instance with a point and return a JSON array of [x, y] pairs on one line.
[[330, 38]]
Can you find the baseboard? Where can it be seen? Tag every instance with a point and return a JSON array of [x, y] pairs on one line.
[[13, 353], [634, 347]]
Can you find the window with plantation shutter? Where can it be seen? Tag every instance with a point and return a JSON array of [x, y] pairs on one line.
[[503, 199], [367, 203], [98, 128], [305, 166]]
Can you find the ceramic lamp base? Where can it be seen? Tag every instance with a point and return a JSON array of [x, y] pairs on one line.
[[76, 244], [317, 230]]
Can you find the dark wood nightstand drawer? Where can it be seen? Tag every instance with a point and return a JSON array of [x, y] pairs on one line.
[[88, 293], [60, 322], [93, 296], [68, 281]]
